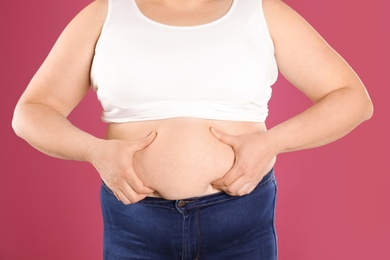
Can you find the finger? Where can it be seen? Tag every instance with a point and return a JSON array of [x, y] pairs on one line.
[[116, 195], [136, 184], [238, 169], [241, 187], [131, 195], [224, 137], [145, 141], [122, 197], [228, 178]]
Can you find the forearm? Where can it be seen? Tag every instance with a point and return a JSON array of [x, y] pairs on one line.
[[327, 120], [51, 133]]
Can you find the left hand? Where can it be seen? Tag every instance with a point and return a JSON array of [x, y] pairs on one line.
[[254, 158]]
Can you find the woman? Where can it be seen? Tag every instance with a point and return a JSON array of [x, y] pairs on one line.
[[184, 87]]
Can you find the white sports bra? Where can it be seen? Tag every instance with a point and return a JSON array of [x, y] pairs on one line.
[[146, 70]]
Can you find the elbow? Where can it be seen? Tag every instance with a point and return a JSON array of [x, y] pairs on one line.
[[362, 103], [16, 122], [367, 108], [19, 121]]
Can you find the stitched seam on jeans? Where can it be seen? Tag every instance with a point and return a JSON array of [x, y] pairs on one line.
[[233, 197], [197, 233], [211, 203], [272, 178], [273, 220], [183, 240], [158, 206]]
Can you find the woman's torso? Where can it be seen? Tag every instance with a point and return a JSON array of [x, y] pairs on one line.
[[234, 77]]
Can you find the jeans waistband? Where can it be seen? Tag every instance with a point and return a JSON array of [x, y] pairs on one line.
[[201, 201]]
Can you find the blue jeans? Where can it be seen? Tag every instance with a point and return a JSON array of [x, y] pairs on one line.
[[216, 226]]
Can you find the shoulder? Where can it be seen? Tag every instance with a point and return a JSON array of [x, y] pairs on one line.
[[87, 24], [280, 17], [286, 26], [96, 11], [92, 16], [99, 4]]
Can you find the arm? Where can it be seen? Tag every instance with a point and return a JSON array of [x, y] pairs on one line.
[[340, 100], [57, 87]]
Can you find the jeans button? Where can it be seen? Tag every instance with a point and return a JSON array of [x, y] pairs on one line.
[[181, 203]]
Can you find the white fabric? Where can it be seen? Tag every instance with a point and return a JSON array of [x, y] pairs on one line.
[[222, 70]]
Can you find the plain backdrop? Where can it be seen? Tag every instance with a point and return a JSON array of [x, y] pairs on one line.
[[333, 201]]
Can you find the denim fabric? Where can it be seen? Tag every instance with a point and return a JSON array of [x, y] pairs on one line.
[[216, 226]]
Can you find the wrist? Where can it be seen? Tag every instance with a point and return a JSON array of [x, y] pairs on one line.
[[93, 150], [273, 142]]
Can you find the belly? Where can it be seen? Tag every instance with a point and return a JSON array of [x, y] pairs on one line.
[[185, 157]]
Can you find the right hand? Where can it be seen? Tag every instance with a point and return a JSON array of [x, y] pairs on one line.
[[113, 159]]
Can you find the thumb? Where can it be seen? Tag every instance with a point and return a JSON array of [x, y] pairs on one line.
[[224, 137], [145, 141]]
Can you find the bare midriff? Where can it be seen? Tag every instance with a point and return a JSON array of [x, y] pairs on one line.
[[185, 157]]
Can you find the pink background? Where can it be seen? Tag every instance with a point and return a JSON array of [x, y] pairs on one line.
[[333, 202]]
